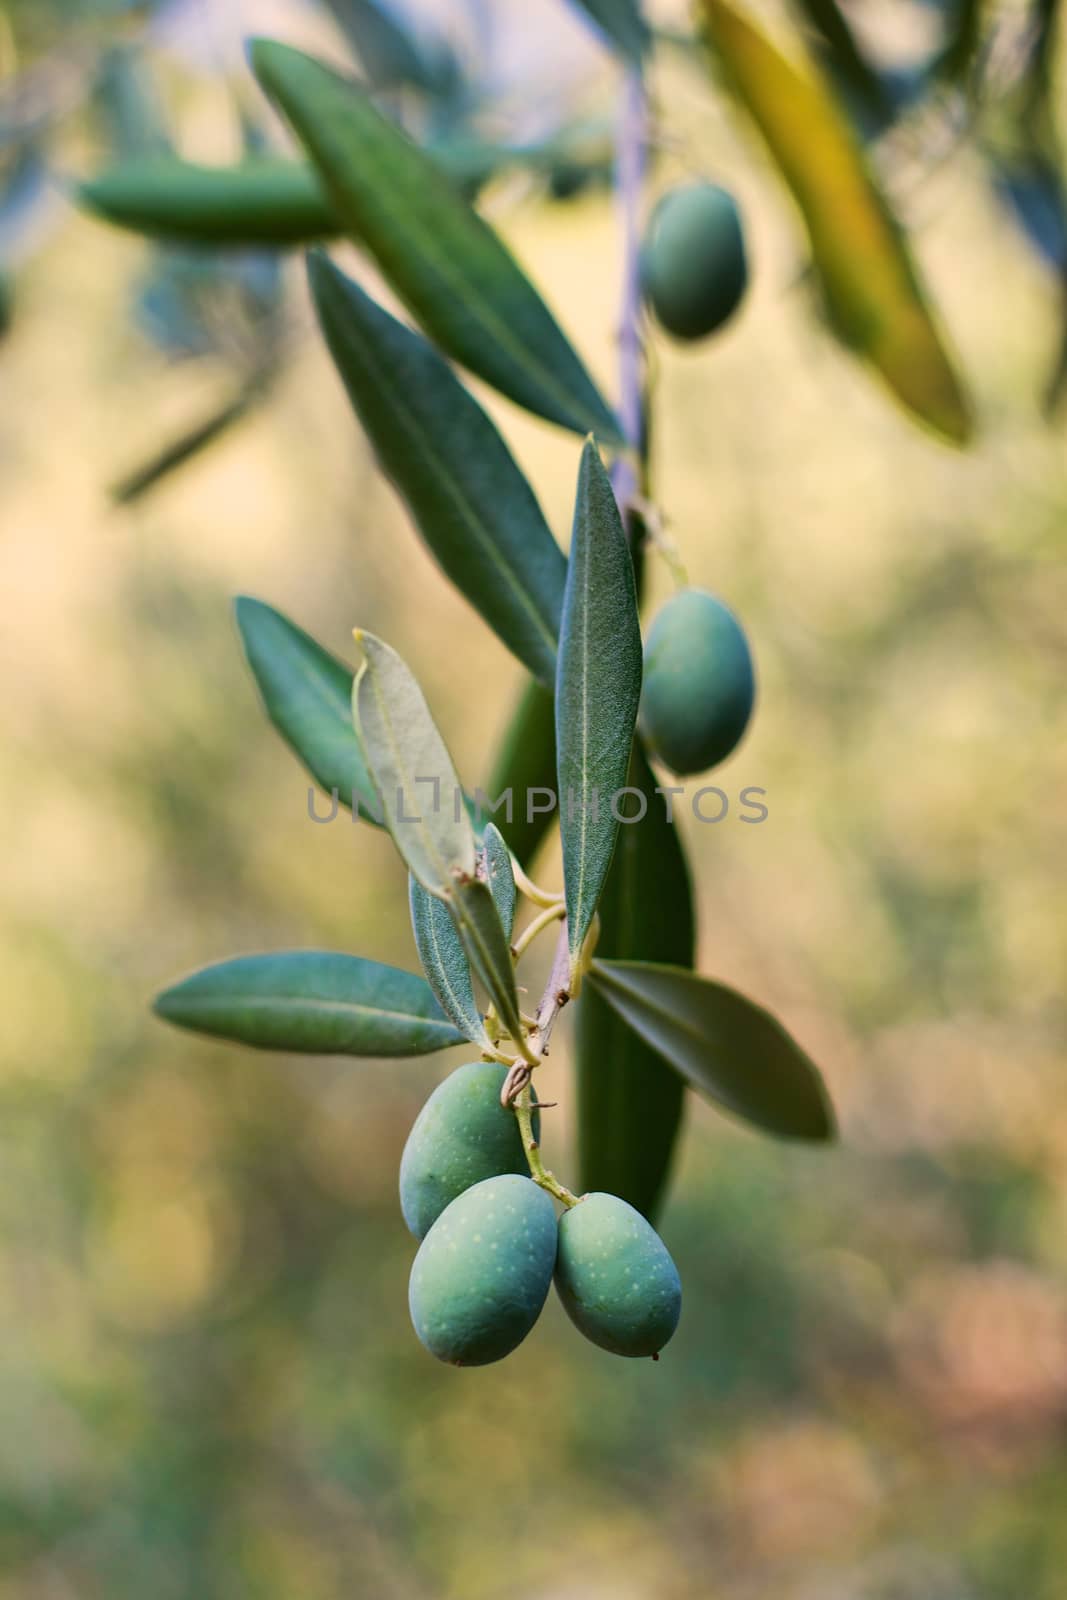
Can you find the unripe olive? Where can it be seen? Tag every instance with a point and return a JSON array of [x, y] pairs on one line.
[[699, 684], [616, 1278], [693, 266], [462, 1135], [483, 1271]]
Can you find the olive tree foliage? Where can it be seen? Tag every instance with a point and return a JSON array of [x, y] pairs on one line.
[[391, 158]]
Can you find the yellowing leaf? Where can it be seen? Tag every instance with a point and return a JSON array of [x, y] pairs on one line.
[[870, 286]]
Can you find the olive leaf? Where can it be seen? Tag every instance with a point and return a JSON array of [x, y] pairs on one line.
[[444, 961], [412, 771], [444, 262], [730, 1049], [389, 54], [307, 694], [472, 505], [598, 686], [630, 1103], [621, 21], [525, 767], [263, 201], [499, 876], [478, 924], [312, 1001], [869, 283]]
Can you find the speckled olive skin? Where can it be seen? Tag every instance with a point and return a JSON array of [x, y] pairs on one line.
[[699, 683], [693, 266], [461, 1135], [483, 1271], [616, 1278]]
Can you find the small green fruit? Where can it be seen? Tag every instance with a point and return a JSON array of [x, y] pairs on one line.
[[483, 1271], [699, 684], [461, 1136], [693, 266], [615, 1277]]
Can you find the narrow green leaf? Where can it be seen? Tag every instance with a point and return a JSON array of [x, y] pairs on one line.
[[472, 505], [444, 962], [526, 766], [487, 948], [869, 283], [864, 86], [311, 1001], [389, 55], [176, 452], [621, 21], [412, 770], [598, 686], [447, 265], [733, 1051], [630, 1103], [499, 876], [264, 201], [307, 694]]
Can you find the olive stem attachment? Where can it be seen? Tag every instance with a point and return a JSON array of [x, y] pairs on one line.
[[540, 1174], [543, 920]]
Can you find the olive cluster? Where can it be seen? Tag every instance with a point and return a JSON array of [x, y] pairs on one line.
[[491, 1245]]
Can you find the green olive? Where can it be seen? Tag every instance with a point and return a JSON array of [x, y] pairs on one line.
[[693, 266], [699, 684]]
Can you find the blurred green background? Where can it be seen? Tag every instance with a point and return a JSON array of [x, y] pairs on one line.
[[209, 1385]]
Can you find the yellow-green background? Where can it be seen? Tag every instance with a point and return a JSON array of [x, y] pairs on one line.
[[208, 1382]]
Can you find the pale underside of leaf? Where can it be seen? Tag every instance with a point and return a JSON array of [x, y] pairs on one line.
[[444, 961]]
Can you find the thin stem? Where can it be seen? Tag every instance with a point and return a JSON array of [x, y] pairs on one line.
[[538, 1171], [526, 886], [629, 175], [543, 920]]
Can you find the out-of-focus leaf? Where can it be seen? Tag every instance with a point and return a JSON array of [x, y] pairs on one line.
[[1033, 191], [412, 770], [622, 24], [130, 105], [526, 766], [388, 53], [869, 284], [963, 33], [261, 202], [449, 267], [25, 202], [313, 1002], [178, 451], [307, 694], [731, 1050], [630, 1103], [499, 876], [472, 505], [444, 961], [867, 92], [474, 911], [598, 686]]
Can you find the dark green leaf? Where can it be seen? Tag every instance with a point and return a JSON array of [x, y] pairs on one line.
[[307, 694], [630, 1103], [598, 686], [733, 1051], [444, 961], [622, 22], [311, 1001], [448, 266], [499, 876], [471, 503], [526, 765], [487, 948], [411, 770], [260, 202], [862, 85], [869, 284]]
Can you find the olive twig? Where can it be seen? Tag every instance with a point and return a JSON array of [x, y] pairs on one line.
[[543, 920]]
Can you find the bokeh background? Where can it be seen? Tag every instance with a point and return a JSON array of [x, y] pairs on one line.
[[208, 1382]]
